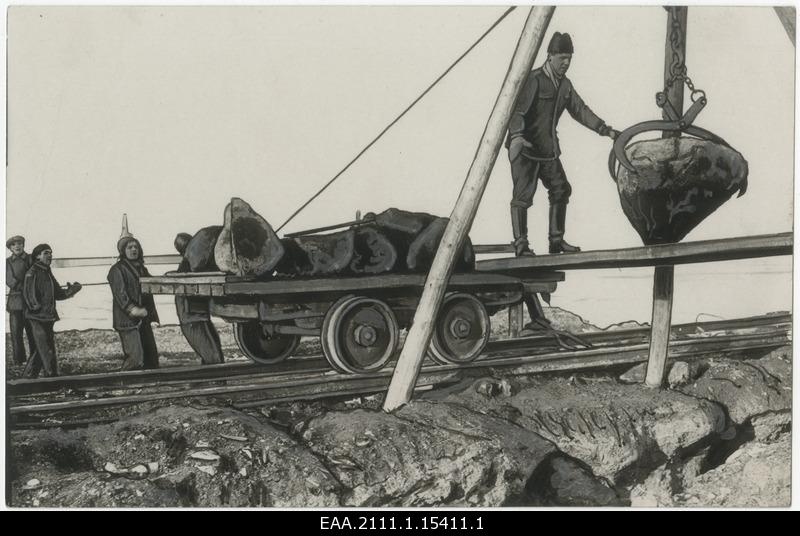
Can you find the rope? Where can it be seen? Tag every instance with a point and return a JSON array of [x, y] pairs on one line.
[[396, 119]]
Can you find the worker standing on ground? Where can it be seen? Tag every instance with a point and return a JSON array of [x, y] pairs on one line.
[[16, 266], [133, 311], [40, 290], [194, 316], [533, 147]]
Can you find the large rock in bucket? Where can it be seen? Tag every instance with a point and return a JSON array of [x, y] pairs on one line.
[[677, 183], [247, 245]]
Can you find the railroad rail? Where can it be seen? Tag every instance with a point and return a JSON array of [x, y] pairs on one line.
[[67, 400]]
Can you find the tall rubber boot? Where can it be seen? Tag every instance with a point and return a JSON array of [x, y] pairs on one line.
[[558, 217], [519, 226]]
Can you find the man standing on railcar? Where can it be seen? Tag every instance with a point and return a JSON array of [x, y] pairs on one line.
[[533, 147], [40, 290]]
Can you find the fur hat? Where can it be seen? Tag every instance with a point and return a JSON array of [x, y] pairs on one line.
[[38, 249], [13, 240], [123, 242], [560, 44], [181, 242]]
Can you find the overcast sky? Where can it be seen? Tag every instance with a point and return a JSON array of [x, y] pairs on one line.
[[167, 112]]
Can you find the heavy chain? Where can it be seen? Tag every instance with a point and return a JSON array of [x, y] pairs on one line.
[[677, 68]]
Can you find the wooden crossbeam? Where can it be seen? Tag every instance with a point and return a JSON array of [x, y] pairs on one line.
[[726, 249], [176, 284]]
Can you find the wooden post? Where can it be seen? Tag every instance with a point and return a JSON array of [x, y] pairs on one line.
[[787, 16], [663, 280], [663, 276], [516, 317], [419, 336]]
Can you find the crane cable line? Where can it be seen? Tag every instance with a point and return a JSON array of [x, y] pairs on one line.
[[396, 119]]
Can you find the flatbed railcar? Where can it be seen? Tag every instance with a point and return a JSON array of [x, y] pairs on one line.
[[358, 319]]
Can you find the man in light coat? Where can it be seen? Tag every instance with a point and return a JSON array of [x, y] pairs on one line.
[[16, 266]]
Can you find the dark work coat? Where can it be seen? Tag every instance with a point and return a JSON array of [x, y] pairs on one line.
[[41, 290], [191, 309], [16, 267], [538, 109], [123, 278]]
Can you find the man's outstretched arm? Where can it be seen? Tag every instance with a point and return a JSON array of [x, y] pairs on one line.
[[586, 117]]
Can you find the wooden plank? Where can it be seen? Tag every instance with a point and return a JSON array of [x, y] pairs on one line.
[[663, 285], [488, 249], [215, 286], [217, 290], [726, 249], [73, 262], [419, 335], [149, 288], [787, 16], [515, 319], [543, 276], [232, 310], [172, 278], [537, 287], [483, 281]]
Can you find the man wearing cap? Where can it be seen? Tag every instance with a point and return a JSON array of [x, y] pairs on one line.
[[16, 265], [194, 316], [40, 290], [133, 311], [533, 147]]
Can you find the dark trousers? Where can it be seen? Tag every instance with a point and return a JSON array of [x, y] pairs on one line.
[[139, 347], [204, 340], [526, 173], [18, 324], [43, 358]]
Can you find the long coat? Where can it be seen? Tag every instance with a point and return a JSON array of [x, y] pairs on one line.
[[123, 278], [41, 290], [16, 267], [539, 107]]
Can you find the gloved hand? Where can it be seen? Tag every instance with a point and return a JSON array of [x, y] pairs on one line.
[[73, 288], [609, 131], [138, 312], [517, 145]]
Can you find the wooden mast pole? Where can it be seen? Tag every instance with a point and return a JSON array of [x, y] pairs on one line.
[[664, 276], [787, 16], [419, 336]]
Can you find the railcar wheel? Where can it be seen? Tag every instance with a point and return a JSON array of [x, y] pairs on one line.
[[359, 335], [461, 331], [262, 348]]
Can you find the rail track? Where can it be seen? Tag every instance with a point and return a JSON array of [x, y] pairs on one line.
[[76, 399]]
